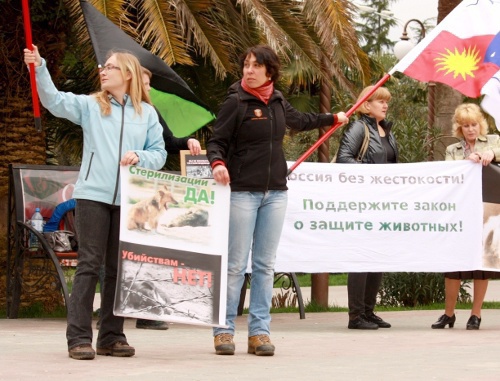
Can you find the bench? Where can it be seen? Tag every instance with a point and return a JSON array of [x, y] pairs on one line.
[[286, 281], [30, 273]]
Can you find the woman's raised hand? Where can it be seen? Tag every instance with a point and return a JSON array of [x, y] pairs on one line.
[[32, 56]]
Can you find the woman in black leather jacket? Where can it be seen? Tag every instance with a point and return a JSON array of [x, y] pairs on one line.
[[362, 288]]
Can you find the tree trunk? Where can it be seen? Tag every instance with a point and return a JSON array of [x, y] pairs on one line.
[[319, 282], [446, 101]]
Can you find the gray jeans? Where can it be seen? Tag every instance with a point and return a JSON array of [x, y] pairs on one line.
[[98, 230]]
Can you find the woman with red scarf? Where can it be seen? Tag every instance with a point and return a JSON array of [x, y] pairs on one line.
[[246, 152]]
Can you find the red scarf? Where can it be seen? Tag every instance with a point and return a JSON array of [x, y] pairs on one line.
[[263, 92]]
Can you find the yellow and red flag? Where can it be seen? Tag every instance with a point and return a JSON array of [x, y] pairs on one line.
[[463, 51]]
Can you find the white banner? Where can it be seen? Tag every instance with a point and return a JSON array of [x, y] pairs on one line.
[[173, 248], [421, 217]]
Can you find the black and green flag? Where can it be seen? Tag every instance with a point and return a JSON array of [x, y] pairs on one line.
[[183, 111]]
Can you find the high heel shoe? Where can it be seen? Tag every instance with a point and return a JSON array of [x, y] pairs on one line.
[[474, 322], [443, 321]]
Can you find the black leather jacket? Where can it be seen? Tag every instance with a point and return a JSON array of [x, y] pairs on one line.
[[352, 140], [253, 151]]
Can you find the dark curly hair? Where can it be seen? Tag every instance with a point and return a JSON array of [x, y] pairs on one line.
[[264, 56]]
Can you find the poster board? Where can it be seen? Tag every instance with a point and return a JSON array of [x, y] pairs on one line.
[[195, 165], [173, 248]]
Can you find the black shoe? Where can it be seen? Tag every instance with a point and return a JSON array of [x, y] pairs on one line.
[[443, 321], [474, 322], [377, 320], [151, 324], [361, 323]]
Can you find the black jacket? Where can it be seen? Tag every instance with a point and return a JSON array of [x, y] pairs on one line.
[[252, 151], [352, 139], [172, 144]]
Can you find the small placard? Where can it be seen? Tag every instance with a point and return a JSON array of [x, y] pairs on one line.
[[195, 165]]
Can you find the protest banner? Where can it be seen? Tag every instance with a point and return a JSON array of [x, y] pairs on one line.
[[419, 217], [173, 248]]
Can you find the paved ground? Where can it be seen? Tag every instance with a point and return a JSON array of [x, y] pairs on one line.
[[319, 347]]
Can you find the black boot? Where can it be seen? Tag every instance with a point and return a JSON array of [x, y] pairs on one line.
[[443, 321]]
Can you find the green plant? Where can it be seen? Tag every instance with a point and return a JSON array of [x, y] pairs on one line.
[[339, 279], [286, 298], [69, 276], [37, 310], [373, 27], [315, 307], [416, 289]]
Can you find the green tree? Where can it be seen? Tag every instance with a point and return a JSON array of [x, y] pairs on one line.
[[315, 39], [303, 32], [373, 29], [21, 143], [202, 41]]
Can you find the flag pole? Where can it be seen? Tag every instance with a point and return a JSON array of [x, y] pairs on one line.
[[29, 45], [336, 126]]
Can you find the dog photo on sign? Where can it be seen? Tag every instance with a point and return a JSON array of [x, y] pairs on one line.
[[162, 211], [144, 215], [491, 235]]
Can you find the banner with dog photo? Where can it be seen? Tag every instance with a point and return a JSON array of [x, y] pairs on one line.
[[173, 247]]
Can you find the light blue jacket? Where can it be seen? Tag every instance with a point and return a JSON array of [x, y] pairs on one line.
[[105, 138]]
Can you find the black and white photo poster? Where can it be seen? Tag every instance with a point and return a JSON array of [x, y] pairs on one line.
[[173, 248]]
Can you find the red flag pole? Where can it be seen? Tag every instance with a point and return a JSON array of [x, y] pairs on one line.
[[336, 126], [29, 45]]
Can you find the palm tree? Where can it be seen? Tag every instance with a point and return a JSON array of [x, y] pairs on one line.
[[303, 32], [21, 143], [315, 39]]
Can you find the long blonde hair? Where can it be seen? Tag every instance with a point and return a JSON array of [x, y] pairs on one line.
[[136, 90], [468, 113]]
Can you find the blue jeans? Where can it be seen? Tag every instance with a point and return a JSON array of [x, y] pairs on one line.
[[255, 224], [98, 230]]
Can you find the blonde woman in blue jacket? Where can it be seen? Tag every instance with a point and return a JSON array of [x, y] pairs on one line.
[[120, 127]]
